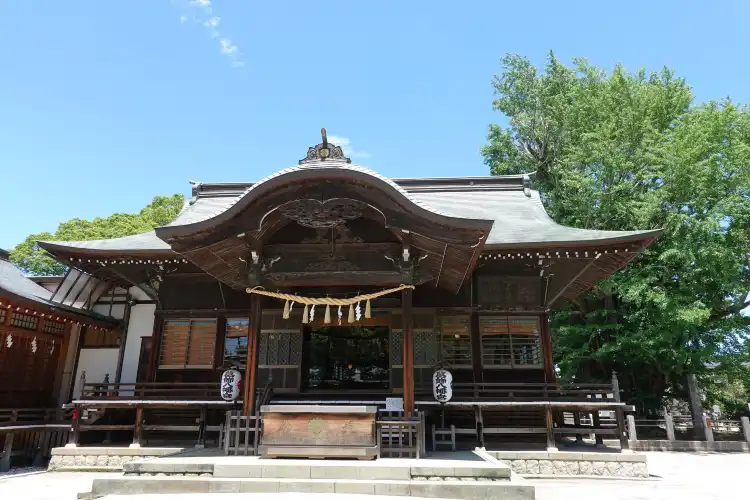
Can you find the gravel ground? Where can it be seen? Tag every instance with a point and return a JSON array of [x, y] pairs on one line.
[[677, 476], [21, 470]]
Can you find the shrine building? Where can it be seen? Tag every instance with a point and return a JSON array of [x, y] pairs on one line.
[[334, 290]]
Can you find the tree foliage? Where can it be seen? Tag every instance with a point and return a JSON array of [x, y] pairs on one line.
[[33, 260], [621, 151]]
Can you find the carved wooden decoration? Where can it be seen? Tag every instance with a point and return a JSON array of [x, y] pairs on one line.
[[322, 214]]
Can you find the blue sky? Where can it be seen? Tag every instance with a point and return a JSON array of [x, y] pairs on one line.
[[104, 104]]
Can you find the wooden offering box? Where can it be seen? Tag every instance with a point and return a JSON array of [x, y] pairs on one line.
[[315, 431]]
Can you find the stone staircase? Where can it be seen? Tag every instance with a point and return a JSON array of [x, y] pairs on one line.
[[426, 478]]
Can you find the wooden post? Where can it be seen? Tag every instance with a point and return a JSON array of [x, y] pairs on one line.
[[202, 429], [476, 349], [251, 366], [153, 360], [138, 429], [597, 426], [123, 336], [550, 429], [75, 429], [8, 448], [619, 413], [577, 425], [408, 351], [546, 338]]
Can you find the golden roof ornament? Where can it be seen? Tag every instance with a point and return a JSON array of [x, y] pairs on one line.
[[325, 151]]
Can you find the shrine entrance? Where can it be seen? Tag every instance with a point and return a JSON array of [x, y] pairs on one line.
[[353, 358]]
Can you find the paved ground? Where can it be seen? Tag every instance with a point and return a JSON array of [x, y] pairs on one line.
[[681, 476]]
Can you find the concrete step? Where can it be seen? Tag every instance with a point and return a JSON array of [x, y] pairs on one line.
[[384, 469], [465, 489]]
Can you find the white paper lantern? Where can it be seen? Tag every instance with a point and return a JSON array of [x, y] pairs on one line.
[[442, 385], [230, 385]]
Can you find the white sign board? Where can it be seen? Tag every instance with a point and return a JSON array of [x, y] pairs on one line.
[[394, 404], [230, 385], [442, 385]]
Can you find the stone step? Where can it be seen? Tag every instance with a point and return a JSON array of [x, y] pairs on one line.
[[465, 489], [395, 469]]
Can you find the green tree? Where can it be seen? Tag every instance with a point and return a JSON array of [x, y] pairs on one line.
[[620, 151], [33, 260]]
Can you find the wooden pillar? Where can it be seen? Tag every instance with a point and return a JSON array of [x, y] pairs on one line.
[[546, 338], [8, 447], [550, 428], [202, 428], [62, 357], [577, 425], [476, 348], [251, 367], [408, 350], [153, 360], [138, 429], [123, 336], [619, 413], [598, 438], [75, 429]]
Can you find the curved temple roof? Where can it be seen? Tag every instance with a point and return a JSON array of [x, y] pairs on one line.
[[520, 220]]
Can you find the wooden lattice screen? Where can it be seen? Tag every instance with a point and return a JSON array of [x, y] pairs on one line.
[[27, 368], [188, 343]]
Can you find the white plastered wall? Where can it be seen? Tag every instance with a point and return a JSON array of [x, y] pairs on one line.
[[141, 325], [97, 363]]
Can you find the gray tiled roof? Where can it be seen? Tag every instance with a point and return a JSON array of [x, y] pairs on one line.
[[14, 281], [137, 243], [517, 210]]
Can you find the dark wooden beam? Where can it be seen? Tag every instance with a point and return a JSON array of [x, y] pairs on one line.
[[153, 359], [408, 350], [575, 278], [476, 347], [251, 366], [546, 338], [123, 338]]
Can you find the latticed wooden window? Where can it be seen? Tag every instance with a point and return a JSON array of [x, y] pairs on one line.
[[188, 343], [455, 340], [2, 316], [510, 341], [26, 321], [52, 326]]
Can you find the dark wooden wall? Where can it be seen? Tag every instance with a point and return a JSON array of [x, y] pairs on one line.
[[198, 295]]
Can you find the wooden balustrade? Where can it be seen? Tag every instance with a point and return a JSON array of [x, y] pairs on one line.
[[151, 391]]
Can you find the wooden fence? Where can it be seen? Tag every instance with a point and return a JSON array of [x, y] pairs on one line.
[[29, 434]]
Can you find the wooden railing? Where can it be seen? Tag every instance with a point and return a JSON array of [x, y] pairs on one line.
[[584, 393], [401, 437], [31, 433], [204, 391], [553, 410]]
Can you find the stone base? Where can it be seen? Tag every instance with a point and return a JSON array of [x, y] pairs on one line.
[[704, 446], [319, 452], [535, 464], [418, 488], [101, 459]]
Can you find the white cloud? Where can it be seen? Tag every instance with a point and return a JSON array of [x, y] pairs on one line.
[[202, 12], [346, 145]]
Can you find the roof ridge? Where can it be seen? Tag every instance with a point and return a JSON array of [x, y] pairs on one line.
[[413, 184]]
